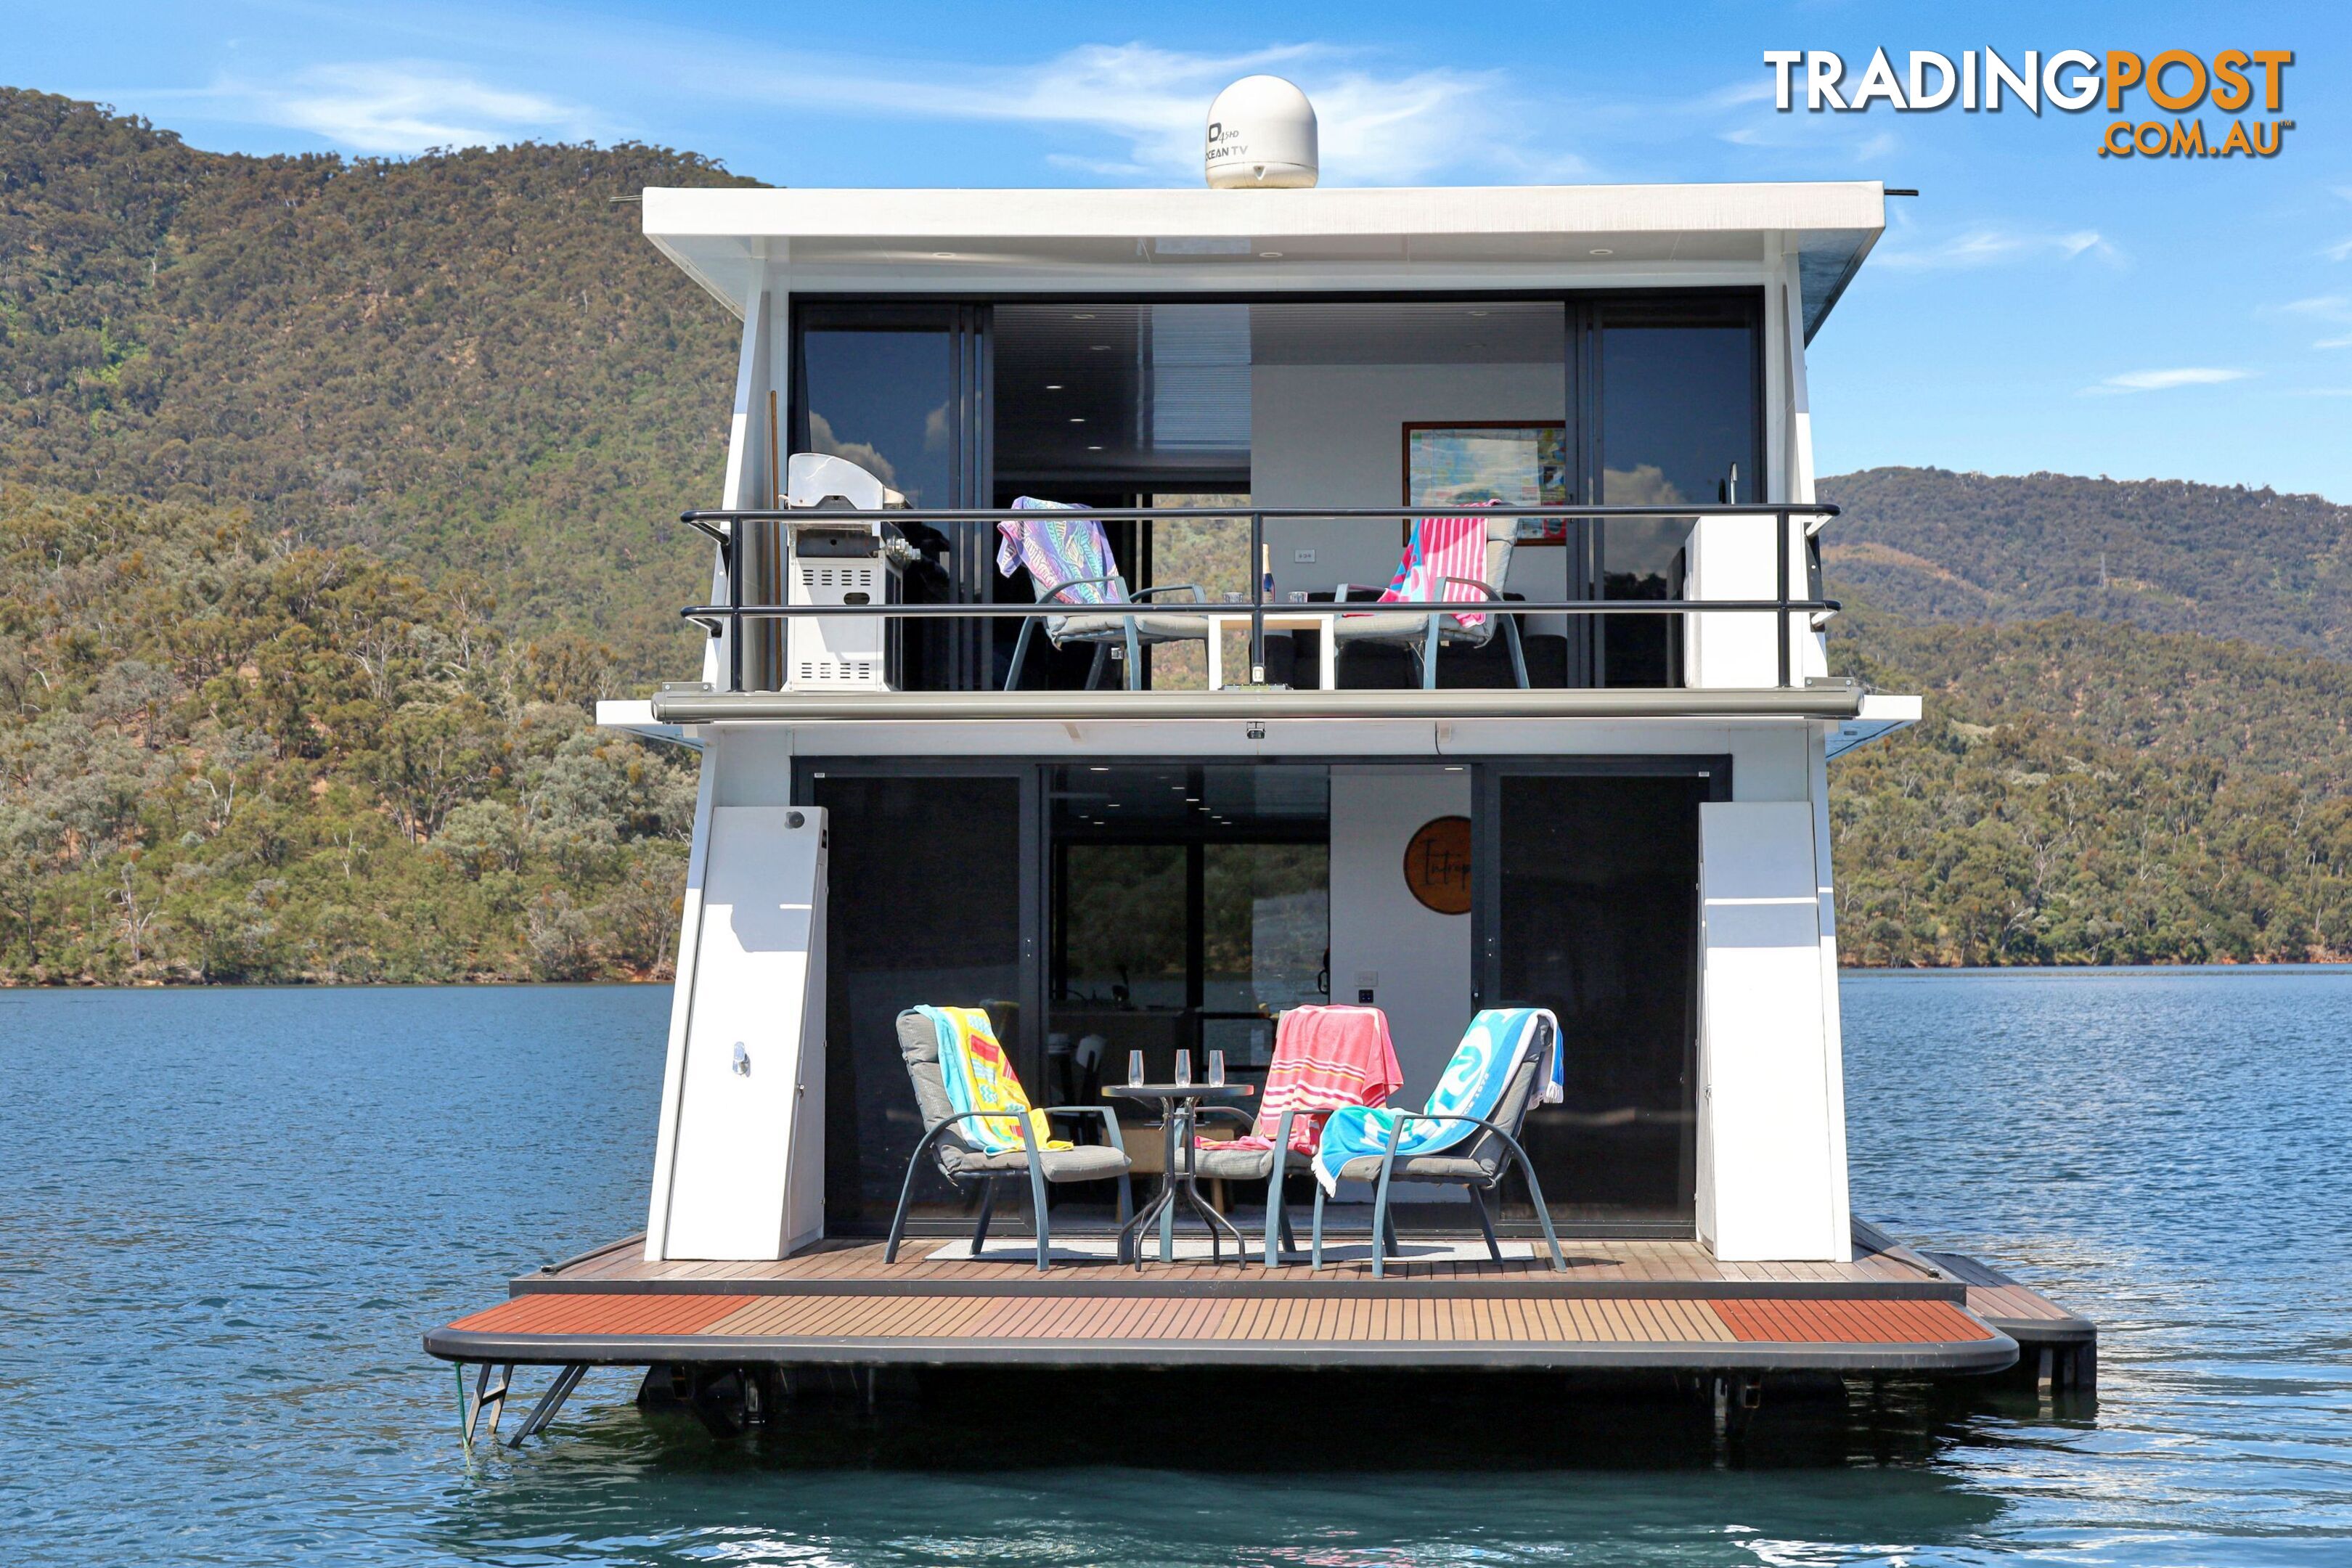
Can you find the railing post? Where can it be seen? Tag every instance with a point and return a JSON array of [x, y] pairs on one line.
[[1259, 570], [735, 603], [1780, 568]]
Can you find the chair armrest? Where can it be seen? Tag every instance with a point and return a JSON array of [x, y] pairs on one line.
[[1487, 588], [1028, 1133], [1056, 591], [1193, 588]]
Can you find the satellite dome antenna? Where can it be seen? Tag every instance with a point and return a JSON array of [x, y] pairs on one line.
[[1261, 137]]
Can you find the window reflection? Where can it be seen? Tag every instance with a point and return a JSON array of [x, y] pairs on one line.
[[883, 399], [1678, 419]]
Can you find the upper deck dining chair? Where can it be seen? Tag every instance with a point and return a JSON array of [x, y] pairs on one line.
[[1463, 560], [1069, 562]]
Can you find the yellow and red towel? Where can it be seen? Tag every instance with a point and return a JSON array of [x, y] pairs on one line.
[[979, 1076]]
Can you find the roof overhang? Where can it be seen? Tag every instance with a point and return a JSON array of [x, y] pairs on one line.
[[1190, 242]]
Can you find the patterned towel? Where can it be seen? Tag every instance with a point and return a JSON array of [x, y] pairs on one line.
[[1442, 547], [980, 1078], [1058, 549], [1471, 1086], [1324, 1058]]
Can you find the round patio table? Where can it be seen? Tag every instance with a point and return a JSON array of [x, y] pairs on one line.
[[1180, 1102]]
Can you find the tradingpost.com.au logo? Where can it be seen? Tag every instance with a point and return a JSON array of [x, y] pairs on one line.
[[2175, 82]]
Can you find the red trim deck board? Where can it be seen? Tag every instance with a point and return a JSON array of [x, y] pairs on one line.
[[602, 1314], [1849, 1322]]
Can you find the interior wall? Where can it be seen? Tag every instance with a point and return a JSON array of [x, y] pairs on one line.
[[1334, 435], [1414, 961]]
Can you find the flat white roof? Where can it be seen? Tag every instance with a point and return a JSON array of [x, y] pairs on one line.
[[1187, 241]]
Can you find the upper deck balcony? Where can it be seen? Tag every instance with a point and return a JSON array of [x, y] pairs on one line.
[[835, 610], [1258, 396]]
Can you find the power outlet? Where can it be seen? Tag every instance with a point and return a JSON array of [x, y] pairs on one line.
[[1303, 557]]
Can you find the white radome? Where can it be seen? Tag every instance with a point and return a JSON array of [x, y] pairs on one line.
[[1261, 137]]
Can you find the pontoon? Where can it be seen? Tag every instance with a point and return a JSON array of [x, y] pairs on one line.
[[1606, 796]]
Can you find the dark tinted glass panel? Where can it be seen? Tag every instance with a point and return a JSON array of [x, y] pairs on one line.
[[1677, 414], [1191, 905], [1599, 923], [939, 927], [885, 400]]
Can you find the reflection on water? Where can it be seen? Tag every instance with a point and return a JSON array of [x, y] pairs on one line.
[[230, 1213]]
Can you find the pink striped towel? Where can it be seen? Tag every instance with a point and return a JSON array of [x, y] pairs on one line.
[[1441, 548], [1324, 1057]]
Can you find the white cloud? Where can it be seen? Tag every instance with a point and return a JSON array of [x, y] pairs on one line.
[[2326, 306], [2166, 380], [1993, 246], [1372, 127], [402, 107], [2340, 251], [2342, 342]]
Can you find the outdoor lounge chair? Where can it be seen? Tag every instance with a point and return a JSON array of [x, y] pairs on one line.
[[1313, 1073], [1425, 632], [1069, 562], [962, 1163], [1477, 1165]]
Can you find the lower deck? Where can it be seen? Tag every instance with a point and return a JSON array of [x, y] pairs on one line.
[[1622, 1305]]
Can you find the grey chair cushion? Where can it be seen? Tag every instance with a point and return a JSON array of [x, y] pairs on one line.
[[1481, 1157], [1087, 1162], [1392, 625], [1154, 627], [1239, 1164], [1418, 1168], [919, 1043]]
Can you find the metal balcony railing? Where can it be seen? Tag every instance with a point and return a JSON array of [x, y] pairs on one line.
[[722, 528]]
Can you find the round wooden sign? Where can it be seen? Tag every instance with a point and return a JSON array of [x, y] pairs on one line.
[[1437, 864]]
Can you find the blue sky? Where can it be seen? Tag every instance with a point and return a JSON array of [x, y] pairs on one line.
[[2038, 307]]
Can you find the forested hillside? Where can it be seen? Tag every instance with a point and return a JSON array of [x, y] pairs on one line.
[[337, 489], [226, 755], [2172, 557], [2083, 793], [469, 360]]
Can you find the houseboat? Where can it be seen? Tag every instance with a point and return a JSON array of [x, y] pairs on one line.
[[1263, 758]]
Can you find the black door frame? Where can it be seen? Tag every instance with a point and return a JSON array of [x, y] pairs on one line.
[[971, 436], [1030, 895], [1486, 916]]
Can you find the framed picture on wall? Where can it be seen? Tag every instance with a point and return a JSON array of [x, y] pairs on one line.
[[1508, 462]]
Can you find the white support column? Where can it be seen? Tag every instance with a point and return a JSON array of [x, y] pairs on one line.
[[1771, 1161], [1832, 1013], [1809, 653], [746, 476]]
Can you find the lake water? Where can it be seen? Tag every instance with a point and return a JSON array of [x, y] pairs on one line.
[[230, 1214]]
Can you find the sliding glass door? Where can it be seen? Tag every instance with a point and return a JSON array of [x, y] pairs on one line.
[[904, 392], [932, 896], [1588, 889], [1670, 406]]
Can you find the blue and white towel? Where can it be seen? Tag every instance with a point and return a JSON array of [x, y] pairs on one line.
[[1472, 1084]]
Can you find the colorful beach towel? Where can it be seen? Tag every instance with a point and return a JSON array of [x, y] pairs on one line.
[[1058, 549], [1471, 1086], [979, 1078], [1324, 1057], [1441, 548]]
